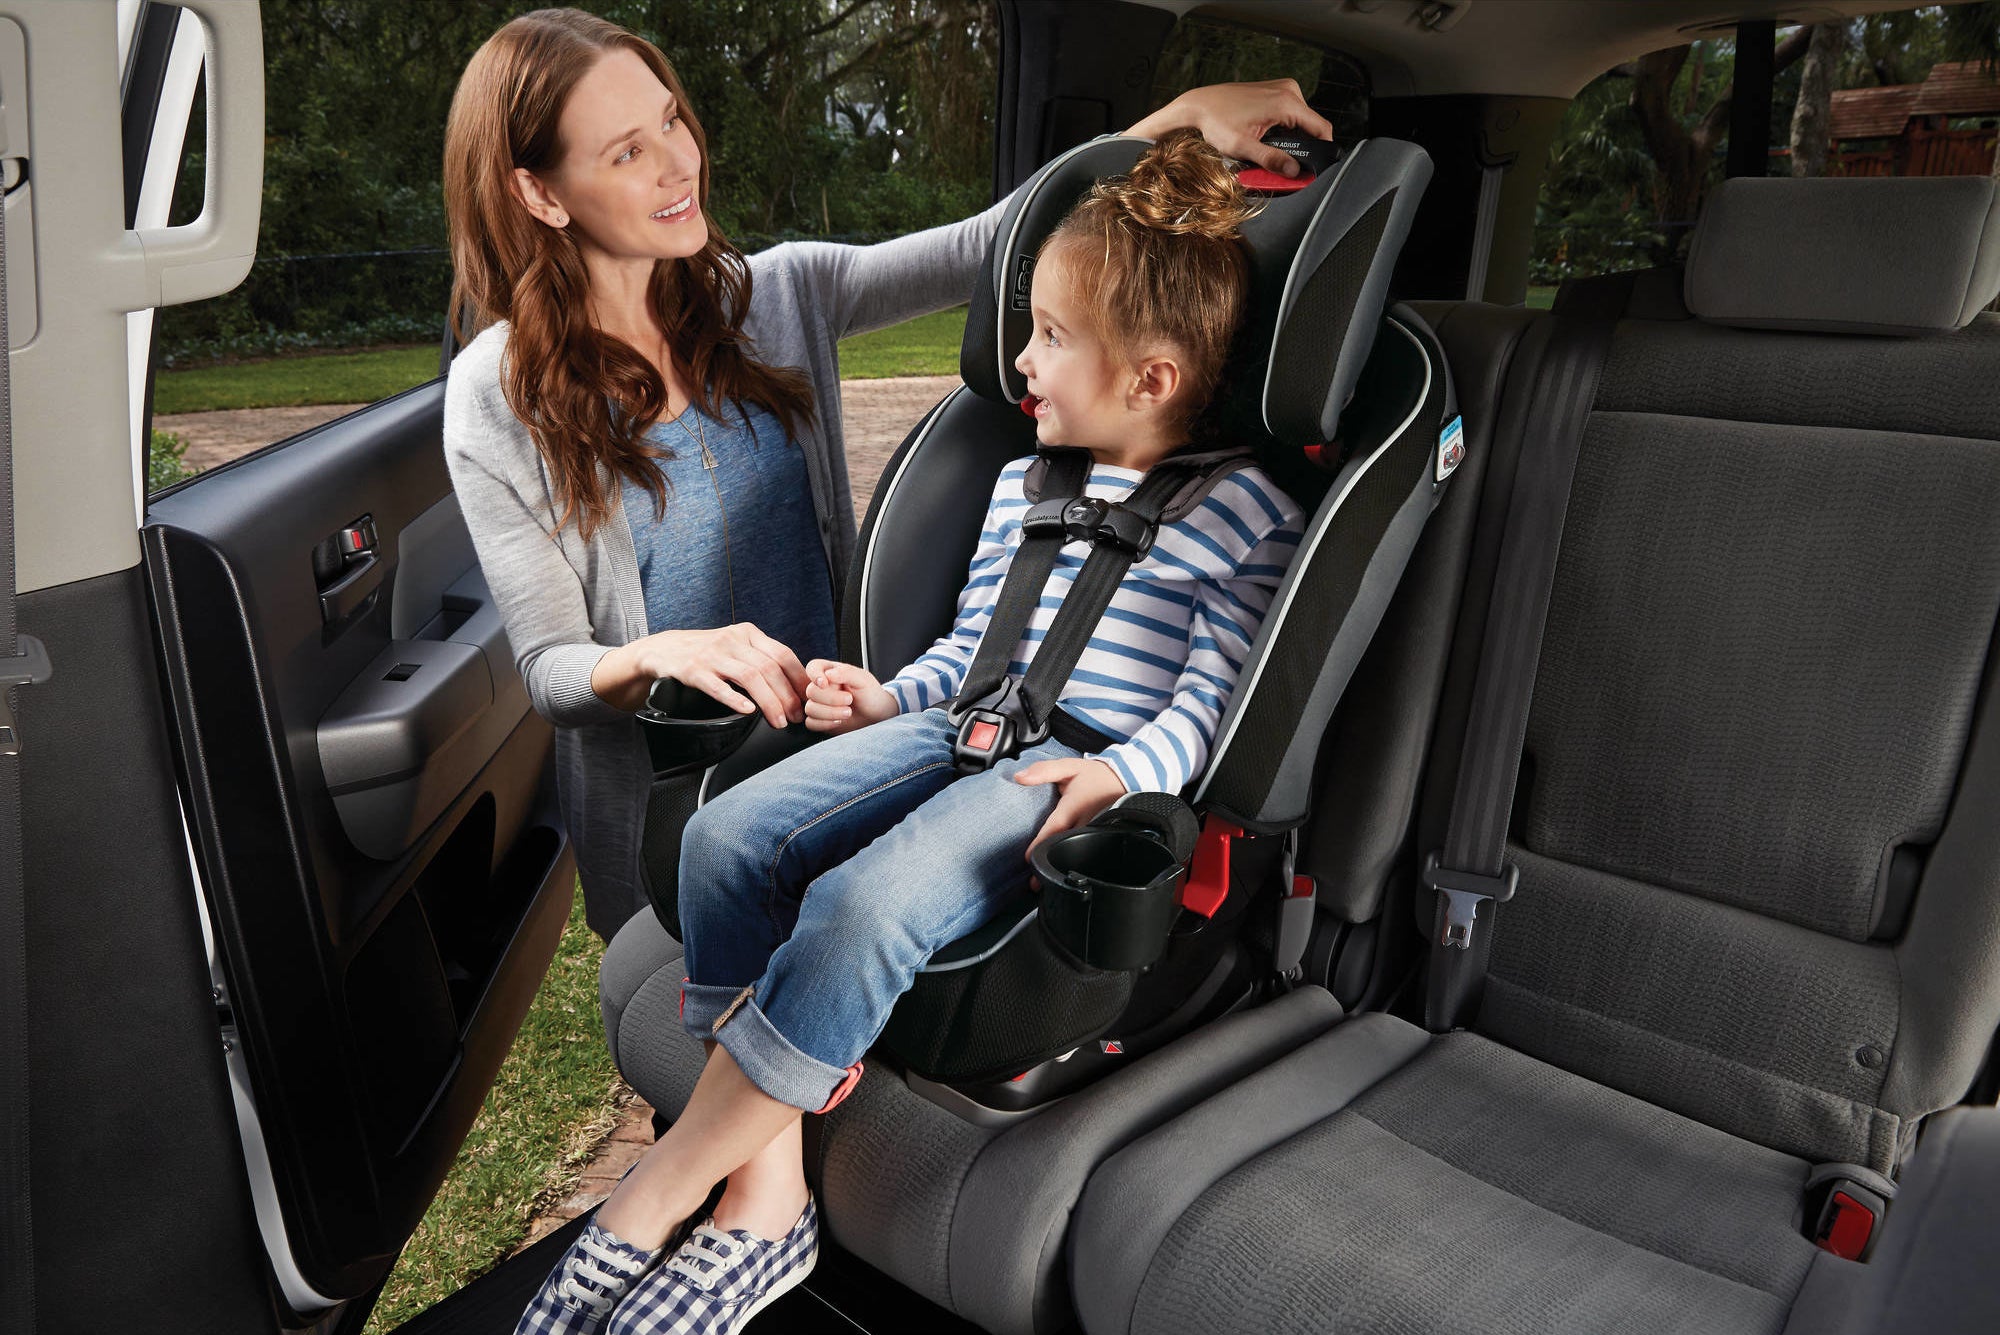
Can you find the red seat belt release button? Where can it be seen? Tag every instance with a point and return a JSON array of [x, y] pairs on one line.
[[1845, 1226], [1207, 884]]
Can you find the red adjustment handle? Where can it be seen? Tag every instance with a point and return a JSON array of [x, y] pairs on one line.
[[1207, 884]]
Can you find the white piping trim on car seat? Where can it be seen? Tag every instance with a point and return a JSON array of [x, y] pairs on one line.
[[987, 953], [300, 1295], [1003, 280], [1288, 295], [1274, 621], [887, 498]]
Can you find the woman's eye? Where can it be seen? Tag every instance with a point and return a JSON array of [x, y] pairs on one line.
[[626, 154]]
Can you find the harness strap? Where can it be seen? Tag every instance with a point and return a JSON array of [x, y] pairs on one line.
[[1064, 472]]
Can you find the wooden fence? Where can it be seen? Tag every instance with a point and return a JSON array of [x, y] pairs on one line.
[[1921, 152]]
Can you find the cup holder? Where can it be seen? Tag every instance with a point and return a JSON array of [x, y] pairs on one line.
[[688, 730], [1109, 893]]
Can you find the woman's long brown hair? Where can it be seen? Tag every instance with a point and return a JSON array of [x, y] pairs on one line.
[[587, 398]]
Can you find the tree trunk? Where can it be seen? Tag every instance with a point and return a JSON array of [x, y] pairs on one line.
[[1812, 116]]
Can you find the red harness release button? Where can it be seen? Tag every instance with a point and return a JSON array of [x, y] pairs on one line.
[[982, 736]]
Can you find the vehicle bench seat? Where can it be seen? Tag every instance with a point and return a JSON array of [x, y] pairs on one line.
[[1758, 922]]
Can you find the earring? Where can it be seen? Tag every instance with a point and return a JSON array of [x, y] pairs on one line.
[[562, 219]]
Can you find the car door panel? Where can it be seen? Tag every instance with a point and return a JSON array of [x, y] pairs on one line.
[[370, 800]]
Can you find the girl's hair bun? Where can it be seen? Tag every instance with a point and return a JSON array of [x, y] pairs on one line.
[[1182, 185]]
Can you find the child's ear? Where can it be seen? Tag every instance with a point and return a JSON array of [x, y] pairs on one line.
[[1154, 382]]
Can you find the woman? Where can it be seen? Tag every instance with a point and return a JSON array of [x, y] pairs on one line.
[[654, 387]]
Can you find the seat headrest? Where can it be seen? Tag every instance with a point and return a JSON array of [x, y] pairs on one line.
[[1320, 261], [1860, 255]]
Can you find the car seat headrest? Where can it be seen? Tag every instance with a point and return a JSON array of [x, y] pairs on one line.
[[1320, 261], [1862, 255]]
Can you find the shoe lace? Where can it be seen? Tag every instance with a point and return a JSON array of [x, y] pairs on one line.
[[590, 1269], [701, 1270]]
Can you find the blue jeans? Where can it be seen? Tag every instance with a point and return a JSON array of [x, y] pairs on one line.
[[812, 893]]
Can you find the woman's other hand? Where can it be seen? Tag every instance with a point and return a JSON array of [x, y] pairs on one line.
[[841, 697], [739, 665], [1084, 787], [1235, 117]]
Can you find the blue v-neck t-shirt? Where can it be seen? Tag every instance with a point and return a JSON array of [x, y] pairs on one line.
[[740, 532]]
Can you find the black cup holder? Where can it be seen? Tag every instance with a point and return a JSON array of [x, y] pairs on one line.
[[1109, 894], [687, 730]]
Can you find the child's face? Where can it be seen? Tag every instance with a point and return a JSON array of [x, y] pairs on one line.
[[1074, 382]]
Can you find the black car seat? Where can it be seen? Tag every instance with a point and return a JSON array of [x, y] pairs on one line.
[[899, 1153], [1756, 937]]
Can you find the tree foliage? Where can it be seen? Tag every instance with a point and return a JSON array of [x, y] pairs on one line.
[[1641, 146], [825, 117]]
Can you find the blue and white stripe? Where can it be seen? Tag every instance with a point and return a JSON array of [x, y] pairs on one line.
[[1161, 664]]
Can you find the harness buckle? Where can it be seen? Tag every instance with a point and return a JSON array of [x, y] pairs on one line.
[[991, 729], [1464, 892]]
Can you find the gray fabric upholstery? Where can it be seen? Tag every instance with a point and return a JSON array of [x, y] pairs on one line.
[[891, 1168], [1900, 255], [1943, 385], [1008, 1233], [1137, 1196], [639, 994], [1933, 1269], [1769, 1031], [1472, 1190], [1760, 663]]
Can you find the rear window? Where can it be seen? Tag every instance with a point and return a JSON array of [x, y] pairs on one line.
[[1203, 50]]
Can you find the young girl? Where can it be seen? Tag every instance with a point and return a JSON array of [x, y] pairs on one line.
[[811, 894]]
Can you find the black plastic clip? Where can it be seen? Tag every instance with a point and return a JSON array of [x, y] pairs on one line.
[[1463, 893], [29, 665]]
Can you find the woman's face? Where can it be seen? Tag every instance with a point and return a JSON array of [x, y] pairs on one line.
[[630, 169]]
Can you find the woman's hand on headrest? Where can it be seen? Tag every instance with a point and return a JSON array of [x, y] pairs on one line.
[[1235, 117]]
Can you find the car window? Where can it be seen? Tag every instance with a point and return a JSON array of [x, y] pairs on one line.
[[890, 109], [1204, 50]]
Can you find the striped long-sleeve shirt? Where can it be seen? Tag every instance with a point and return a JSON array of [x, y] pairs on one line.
[[1161, 664]]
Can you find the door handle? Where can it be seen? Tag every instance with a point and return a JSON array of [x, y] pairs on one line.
[[344, 597]]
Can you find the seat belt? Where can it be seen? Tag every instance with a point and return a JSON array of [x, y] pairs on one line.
[[1472, 870], [22, 660], [998, 714]]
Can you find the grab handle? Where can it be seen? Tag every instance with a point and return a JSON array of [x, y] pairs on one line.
[[212, 254]]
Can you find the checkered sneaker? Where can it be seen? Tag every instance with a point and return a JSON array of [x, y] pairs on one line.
[[717, 1281], [598, 1269]]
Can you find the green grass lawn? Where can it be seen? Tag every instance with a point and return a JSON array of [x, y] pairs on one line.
[[1541, 298], [556, 1096], [287, 382], [927, 345]]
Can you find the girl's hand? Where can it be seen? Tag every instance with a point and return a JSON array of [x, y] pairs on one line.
[[1085, 787], [1235, 117], [739, 665], [841, 697]]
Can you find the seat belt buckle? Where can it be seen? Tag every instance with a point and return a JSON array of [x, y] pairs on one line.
[[1464, 892], [29, 665], [1852, 1202], [989, 732]]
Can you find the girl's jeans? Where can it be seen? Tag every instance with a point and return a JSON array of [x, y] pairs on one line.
[[811, 893]]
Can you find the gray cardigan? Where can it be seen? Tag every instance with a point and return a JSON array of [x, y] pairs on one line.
[[567, 602]]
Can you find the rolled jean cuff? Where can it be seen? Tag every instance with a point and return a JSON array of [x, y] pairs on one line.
[[774, 1065], [702, 1004]]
